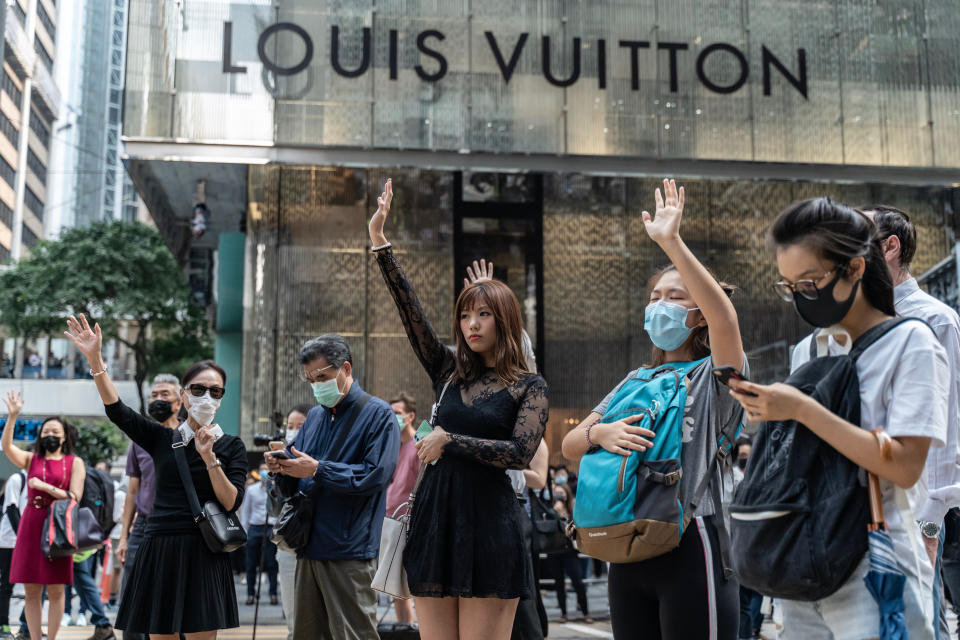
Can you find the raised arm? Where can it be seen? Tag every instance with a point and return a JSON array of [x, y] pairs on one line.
[[89, 342], [433, 354], [518, 451], [722, 323], [15, 454]]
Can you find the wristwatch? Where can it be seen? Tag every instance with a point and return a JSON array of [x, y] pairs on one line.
[[214, 464], [930, 529]]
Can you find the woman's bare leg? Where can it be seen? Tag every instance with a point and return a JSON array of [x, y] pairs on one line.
[[487, 618], [438, 618]]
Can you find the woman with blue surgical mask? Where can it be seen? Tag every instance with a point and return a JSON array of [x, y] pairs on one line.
[[693, 327]]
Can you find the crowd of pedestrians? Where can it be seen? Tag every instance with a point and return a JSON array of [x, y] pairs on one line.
[[473, 485]]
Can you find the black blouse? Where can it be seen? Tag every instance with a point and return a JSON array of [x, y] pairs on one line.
[[171, 511], [527, 407]]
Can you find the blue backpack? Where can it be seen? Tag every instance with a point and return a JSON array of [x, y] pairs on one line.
[[629, 508]]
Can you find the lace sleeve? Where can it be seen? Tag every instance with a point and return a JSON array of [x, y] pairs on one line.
[[433, 354], [518, 451]]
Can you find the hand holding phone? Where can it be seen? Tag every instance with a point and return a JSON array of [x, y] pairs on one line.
[[727, 373], [280, 454]]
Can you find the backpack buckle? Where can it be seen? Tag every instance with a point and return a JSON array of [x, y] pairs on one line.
[[672, 478]]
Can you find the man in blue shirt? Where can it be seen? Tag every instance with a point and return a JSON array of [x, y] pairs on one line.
[[347, 450]]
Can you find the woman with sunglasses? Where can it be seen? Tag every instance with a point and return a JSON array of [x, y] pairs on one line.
[[177, 584], [833, 271]]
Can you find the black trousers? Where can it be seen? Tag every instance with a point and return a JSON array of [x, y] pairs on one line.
[[6, 589], [568, 564], [258, 541], [678, 595]]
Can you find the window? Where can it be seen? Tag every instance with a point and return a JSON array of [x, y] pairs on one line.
[[29, 238], [115, 96], [114, 115], [9, 130], [42, 52], [8, 173], [33, 203], [6, 214], [36, 166], [111, 178], [130, 213], [39, 128], [45, 20], [17, 9], [4, 254], [15, 94]]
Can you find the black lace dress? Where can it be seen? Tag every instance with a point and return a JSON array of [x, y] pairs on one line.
[[466, 536]]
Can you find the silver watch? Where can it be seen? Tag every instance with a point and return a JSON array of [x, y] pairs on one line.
[[930, 529]]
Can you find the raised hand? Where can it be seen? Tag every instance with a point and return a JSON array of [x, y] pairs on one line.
[[14, 402], [665, 225], [377, 239], [481, 271], [88, 341]]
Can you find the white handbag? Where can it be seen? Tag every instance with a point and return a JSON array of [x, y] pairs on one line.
[[391, 577]]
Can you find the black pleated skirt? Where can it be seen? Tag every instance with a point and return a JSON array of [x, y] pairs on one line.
[[178, 585]]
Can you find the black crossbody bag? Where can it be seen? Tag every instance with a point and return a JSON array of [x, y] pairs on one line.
[[295, 522], [221, 530]]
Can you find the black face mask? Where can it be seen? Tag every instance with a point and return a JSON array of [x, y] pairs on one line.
[[160, 410], [825, 311], [742, 463], [49, 444]]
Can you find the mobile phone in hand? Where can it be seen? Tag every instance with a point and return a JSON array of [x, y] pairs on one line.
[[282, 453], [726, 373]]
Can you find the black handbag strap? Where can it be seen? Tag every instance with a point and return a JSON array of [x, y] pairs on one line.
[[178, 446]]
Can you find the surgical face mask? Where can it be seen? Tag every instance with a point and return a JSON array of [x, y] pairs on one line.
[[203, 409], [160, 410], [400, 420], [666, 324], [560, 479], [49, 444], [291, 434], [327, 392], [825, 311]]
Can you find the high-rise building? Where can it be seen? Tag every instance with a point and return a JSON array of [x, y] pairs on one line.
[[90, 182], [29, 104]]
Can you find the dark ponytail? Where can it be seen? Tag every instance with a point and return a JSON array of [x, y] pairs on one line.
[[838, 233]]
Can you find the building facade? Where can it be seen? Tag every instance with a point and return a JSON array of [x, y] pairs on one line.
[[532, 134]]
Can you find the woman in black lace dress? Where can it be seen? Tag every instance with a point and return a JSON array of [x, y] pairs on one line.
[[465, 555]]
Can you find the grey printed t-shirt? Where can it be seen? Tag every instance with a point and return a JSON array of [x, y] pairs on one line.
[[710, 409]]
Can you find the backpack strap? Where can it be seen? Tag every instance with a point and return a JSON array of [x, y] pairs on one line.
[[873, 334]]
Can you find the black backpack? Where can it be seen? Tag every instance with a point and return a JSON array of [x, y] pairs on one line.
[[98, 497], [798, 521]]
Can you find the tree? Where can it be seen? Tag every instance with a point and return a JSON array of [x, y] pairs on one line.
[[110, 272], [100, 440]]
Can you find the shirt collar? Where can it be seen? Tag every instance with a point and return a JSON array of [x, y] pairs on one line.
[[904, 290], [186, 433]]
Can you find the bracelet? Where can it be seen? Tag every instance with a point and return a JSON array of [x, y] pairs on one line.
[[98, 373], [590, 442], [381, 247]]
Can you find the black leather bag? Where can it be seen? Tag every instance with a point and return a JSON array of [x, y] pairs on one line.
[[221, 530], [549, 535], [295, 522], [69, 529]]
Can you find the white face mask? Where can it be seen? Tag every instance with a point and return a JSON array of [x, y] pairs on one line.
[[291, 434], [203, 409]]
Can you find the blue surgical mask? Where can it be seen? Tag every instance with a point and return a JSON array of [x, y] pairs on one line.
[[327, 392], [560, 479], [666, 324]]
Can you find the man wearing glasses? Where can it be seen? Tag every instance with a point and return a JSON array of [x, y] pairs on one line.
[[343, 458]]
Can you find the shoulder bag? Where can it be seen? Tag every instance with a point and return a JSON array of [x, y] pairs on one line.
[[295, 522], [221, 530], [391, 577]]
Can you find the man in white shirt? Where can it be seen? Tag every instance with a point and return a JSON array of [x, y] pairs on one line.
[[14, 500], [261, 552]]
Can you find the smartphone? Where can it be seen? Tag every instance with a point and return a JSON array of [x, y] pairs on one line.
[[281, 453], [726, 373], [276, 445], [422, 432]]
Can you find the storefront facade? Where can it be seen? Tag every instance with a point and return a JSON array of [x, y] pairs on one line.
[[531, 134]]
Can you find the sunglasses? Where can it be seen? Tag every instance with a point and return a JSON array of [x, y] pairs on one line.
[[198, 390]]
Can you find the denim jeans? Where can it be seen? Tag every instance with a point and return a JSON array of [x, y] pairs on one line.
[[84, 583]]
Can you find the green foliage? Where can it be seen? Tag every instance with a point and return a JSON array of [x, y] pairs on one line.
[[100, 440], [173, 353], [110, 272]]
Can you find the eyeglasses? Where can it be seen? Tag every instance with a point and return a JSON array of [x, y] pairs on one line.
[[198, 390], [312, 375], [806, 288]]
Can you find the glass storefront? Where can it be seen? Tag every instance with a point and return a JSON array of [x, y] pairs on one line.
[[571, 246]]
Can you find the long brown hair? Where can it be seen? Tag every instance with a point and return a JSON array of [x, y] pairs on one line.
[[699, 335], [510, 363]]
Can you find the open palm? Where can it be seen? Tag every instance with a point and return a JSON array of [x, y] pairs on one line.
[[14, 402], [665, 225], [88, 341], [379, 218]]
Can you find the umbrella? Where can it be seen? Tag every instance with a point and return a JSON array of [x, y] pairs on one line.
[[885, 580]]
